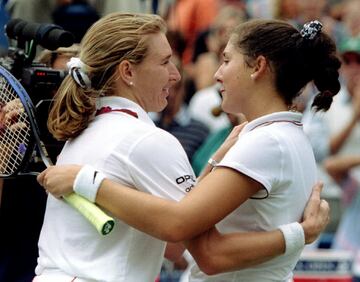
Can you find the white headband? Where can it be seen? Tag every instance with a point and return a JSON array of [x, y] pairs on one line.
[[77, 71]]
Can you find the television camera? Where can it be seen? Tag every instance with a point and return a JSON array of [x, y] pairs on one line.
[[38, 79]]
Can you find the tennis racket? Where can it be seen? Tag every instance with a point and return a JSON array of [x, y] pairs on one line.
[[19, 135]]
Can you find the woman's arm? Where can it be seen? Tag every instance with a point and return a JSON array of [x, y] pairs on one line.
[[338, 140], [339, 166], [215, 253], [174, 221], [212, 251], [214, 197]]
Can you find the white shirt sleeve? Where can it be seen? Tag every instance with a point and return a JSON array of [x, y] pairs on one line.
[[259, 155], [159, 166]]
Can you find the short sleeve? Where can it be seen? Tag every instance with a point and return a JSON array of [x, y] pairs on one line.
[[259, 155], [158, 165]]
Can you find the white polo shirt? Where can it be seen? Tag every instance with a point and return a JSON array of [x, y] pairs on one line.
[[134, 152], [274, 151]]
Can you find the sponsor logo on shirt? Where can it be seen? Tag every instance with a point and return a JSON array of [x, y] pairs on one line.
[[187, 182]]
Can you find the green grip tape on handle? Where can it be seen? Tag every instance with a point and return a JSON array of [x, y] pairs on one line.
[[103, 223]]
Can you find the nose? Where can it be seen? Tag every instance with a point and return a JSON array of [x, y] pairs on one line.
[[217, 75], [174, 73]]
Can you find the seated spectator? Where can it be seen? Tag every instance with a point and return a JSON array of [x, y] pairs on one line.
[[76, 17], [176, 119]]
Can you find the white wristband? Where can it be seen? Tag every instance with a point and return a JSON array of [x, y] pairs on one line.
[[294, 237], [87, 182]]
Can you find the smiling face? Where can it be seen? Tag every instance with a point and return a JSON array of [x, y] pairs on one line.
[[235, 78], [155, 74]]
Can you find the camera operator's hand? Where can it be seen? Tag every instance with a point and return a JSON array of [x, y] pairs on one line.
[[9, 120], [9, 114]]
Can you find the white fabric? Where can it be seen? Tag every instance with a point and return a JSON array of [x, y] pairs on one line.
[[131, 151], [280, 157], [58, 276], [77, 71], [294, 237], [201, 105], [87, 182]]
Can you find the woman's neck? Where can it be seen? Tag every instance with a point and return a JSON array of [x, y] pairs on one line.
[[264, 104]]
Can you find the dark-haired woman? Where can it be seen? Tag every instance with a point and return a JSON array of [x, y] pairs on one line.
[[264, 181]]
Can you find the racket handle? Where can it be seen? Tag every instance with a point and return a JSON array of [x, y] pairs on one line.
[[99, 219]]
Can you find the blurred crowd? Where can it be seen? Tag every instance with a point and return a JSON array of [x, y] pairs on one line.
[[198, 32]]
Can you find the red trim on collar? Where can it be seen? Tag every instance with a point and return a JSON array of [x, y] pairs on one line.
[[298, 123], [108, 109]]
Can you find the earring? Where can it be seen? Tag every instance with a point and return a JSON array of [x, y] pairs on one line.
[[131, 83], [252, 76]]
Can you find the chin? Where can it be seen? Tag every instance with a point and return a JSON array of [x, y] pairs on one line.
[[225, 107], [159, 108], [229, 110]]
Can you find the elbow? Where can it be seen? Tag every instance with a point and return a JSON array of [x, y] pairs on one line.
[[206, 263], [328, 166], [215, 264], [209, 268], [331, 168], [175, 232], [210, 265]]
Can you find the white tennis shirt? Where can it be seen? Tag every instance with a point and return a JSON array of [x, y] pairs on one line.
[[274, 151], [129, 150]]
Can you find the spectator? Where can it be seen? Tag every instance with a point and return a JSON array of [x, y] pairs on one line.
[[343, 164], [75, 17], [176, 119]]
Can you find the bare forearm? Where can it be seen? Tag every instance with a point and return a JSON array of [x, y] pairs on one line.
[[338, 167], [216, 253], [164, 219], [346, 163], [336, 142], [130, 206]]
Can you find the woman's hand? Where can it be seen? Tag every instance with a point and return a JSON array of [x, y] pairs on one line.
[[58, 180], [229, 142], [316, 215]]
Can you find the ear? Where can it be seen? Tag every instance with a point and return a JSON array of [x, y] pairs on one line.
[[260, 67], [126, 72]]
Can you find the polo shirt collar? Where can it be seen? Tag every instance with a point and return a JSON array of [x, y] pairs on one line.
[[116, 102], [294, 117]]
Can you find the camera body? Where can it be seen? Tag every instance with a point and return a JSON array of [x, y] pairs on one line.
[[39, 80]]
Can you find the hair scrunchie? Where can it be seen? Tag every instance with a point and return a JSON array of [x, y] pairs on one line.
[[77, 71], [311, 29]]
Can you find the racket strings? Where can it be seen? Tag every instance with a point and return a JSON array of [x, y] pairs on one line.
[[15, 130]]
